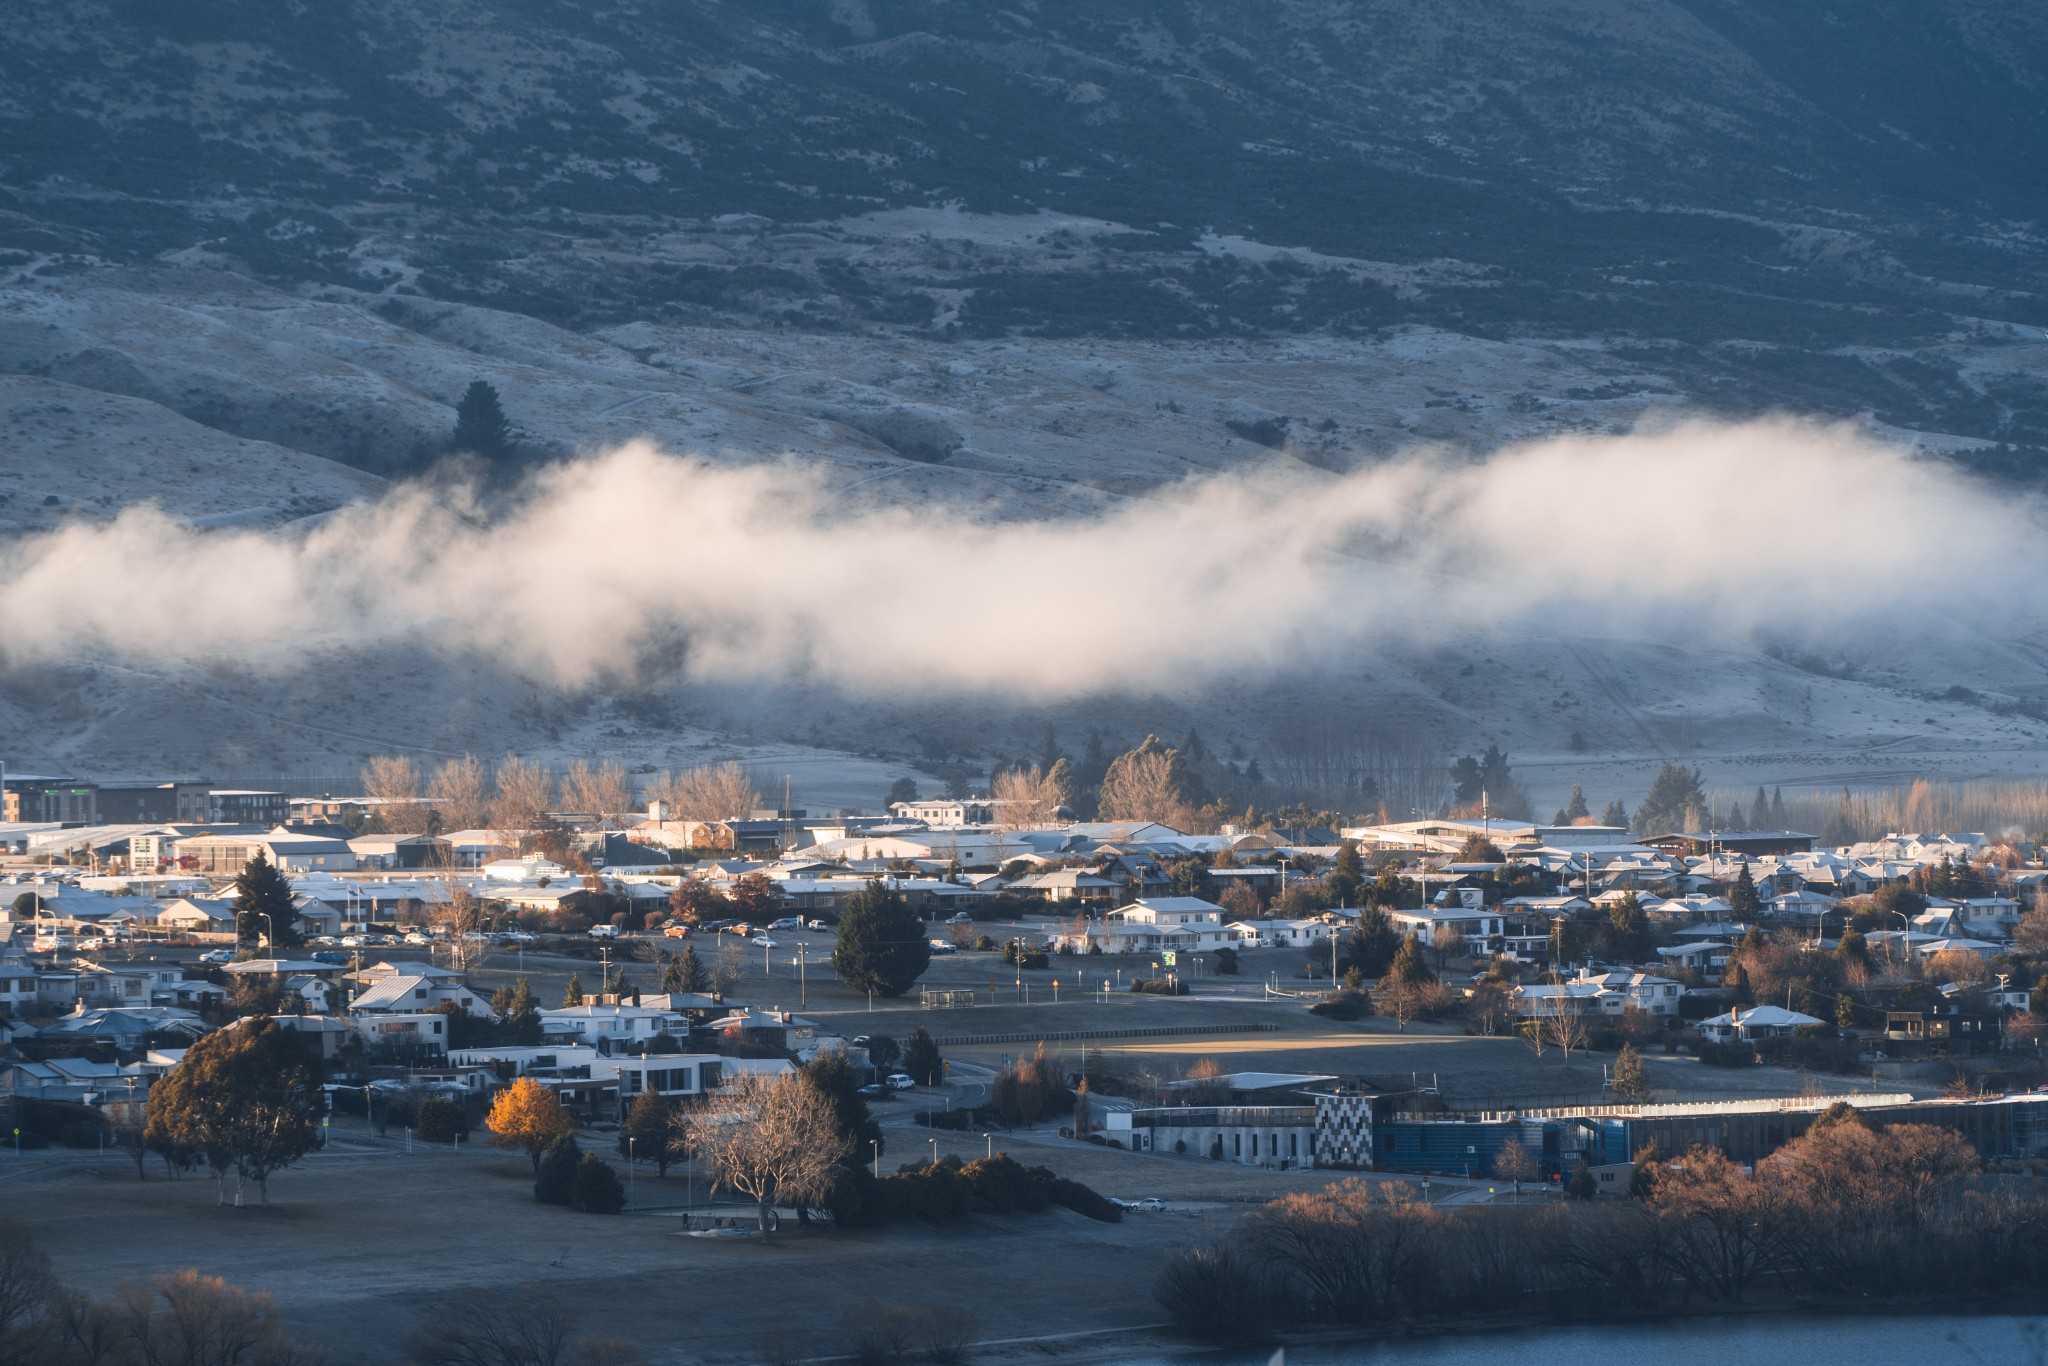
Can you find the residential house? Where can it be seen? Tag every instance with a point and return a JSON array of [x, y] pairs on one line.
[[610, 1028], [1163, 924], [401, 993], [1756, 1022]]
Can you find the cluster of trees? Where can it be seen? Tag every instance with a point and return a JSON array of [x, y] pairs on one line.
[[186, 1318], [522, 795], [1844, 1211]]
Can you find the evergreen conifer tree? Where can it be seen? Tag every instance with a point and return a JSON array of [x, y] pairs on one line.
[[882, 947], [480, 425], [263, 906]]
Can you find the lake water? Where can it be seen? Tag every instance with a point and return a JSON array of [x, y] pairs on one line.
[[1765, 1340]]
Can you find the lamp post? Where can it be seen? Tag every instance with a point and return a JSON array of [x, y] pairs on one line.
[[935, 1152], [876, 1144], [991, 1140], [632, 1170]]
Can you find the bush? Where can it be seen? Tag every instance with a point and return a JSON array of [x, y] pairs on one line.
[[1343, 1005], [1226, 962], [1159, 986], [1084, 1200], [1726, 1054], [555, 1183], [595, 1188], [441, 1120], [1217, 1293]]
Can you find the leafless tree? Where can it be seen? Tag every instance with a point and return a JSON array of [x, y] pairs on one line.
[[715, 793], [1565, 1026], [1354, 1258], [189, 1319], [772, 1138], [526, 794], [461, 794], [1027, 797], [524, 1327], [1141, 787], [601, 790], [732, 960], [26, 1285], [391, 781], [1514, 1164]]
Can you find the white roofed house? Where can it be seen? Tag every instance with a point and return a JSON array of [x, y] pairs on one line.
[[1475, 926], [1177, 923], [287, 850], [198, 915], [610, 1028], [1756, 1022], [410, 993]]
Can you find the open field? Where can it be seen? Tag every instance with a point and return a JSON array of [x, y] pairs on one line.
[[361, 1243]]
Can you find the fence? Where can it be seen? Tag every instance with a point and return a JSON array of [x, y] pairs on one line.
[[1078, 1035]]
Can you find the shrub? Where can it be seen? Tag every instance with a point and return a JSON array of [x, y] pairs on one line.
[[595, 1188], [1083, 1200], [1217, 1294], [1160, 986], [1727, 1054], [555, 1182], [441, 1120], [1343, 1005]]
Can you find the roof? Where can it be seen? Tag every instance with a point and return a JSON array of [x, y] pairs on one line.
[[1764, 1017]]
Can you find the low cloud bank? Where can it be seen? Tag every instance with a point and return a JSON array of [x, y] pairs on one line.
[[1775, 526]]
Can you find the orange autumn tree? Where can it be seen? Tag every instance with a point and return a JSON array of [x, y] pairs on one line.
[[527, 1115]]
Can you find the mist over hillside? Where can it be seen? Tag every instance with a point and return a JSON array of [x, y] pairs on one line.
[[1054, 261]]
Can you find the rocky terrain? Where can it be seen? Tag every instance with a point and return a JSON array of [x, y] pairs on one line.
[[1040, 261]]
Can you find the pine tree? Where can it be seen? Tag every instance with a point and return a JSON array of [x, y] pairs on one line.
[[574, 995], [263, 906], [1576, 809], [648, 1133], [1743, 900], [1759, 812], [685, 973], [480, 425], [1408, 967], [1630, 1080], [1778, 808], [1672, 797], [882, 947], [517, 1011]]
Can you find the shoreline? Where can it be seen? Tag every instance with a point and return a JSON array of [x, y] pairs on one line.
[[1102, 1346]]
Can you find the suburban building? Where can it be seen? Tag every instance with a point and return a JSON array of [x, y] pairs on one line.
[[247, 806]]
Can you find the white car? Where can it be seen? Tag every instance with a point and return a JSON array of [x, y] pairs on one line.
[[817, 925], [941, 946], [1151, 1203], [899, 1081], [604, 931], [764, 941]]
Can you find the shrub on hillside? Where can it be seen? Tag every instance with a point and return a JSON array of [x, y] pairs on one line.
[[441, 1120]]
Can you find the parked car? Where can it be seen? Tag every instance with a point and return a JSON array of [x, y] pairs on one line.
[[899, 1081], [218, 956], [415, 937], [817, 925], [522, 937], [788, 922], [677, 932], [1151, 1203], [329, 956], [764, 941], [874, 1088], [737, 927], [941, 946], [960, 918], [604, 931]]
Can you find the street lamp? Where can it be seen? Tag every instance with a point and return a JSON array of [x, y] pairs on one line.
[[935, 1152], [632, 1170], [991, 1138]]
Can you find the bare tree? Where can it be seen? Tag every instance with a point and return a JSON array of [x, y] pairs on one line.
[[526, 794], [391, 782], [1027, 797], [772, 1138], [1514, 1164], [523, 1327], [732, 960], [1141, 787], [461, 794], [601, 791], [1566, 1026], [707, 794], [189, 1319]]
